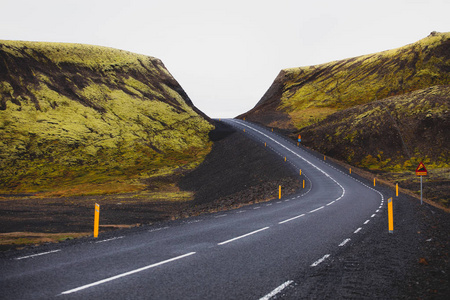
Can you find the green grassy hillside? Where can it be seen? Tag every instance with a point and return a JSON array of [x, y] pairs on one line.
[[303, 96], [73, 114]]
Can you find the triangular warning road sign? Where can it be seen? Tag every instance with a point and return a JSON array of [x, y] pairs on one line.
[[421, 170]]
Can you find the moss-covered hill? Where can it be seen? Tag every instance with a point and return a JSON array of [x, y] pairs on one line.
[[303, 96], [384, 112], [73, 114], [389, 134], [391, 137]]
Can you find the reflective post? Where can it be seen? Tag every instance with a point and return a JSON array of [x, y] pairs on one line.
[[390, 215], [96, 219]]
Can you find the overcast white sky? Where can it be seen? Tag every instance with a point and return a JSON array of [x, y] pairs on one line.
[[226, 54]]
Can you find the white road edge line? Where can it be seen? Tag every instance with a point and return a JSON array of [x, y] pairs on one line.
[[277, 290], [344, 242], [126, 274], [296, 154], [310, 163], [111, 239], [158, 229], [242, 236], [220, 216], [285, 221], [367, 221], [316, 263], [358, 230], [39, 254]]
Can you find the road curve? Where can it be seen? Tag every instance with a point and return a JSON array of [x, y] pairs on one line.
[[249, 253]]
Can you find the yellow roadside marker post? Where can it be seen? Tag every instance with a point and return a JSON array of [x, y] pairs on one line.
[[285, 158], [279, 192], [396, 190], [324, 157], [265, 144], [350, 170], [300, 172], [272, 129], [244, 130], [303, 183], [374, 182], [390, 216], [96, 219]]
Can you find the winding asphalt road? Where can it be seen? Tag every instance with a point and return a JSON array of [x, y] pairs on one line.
[[249, 253]]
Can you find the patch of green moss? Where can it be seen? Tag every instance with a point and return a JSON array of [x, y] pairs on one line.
[[342, 84], [101, 115]]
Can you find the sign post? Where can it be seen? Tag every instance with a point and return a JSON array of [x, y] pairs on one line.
[[421, 171]]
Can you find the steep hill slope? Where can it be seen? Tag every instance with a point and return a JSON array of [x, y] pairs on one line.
[[391, 137], [73, 114], [303, 96]]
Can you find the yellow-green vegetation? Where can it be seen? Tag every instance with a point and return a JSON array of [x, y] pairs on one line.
[[75, 115], [391, 137], [309, 94], [384, 112]]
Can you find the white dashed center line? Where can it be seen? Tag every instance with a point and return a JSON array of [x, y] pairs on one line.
[[125, 274], [317, 262], [277, 290], [291, 219], [314, 210], [344, 242], [242, 236]]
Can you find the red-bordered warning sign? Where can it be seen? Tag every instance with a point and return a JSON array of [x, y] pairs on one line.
[[421, 170]]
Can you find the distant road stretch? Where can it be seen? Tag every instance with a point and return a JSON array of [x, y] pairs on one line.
[[249, 253]]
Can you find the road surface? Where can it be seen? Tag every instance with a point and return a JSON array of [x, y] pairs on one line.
[[249, 253]]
